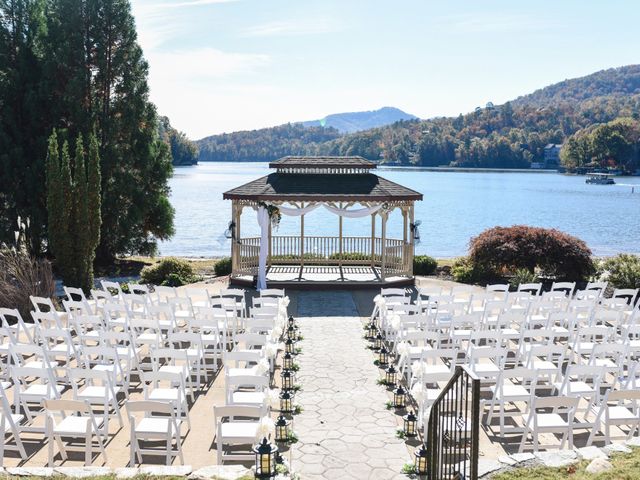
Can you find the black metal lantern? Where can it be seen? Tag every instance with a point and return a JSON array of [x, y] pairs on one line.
[[287, 378], [292, 333], [291, 321], [289, 346], [383, 356], [286, 401], [410, 422], [287, 361], [391, 375], [265, 459], [421, 460], [372, 330], [377, 345], [399, 397], [282, 429]]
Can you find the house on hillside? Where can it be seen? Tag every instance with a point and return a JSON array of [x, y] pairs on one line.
[[552, 155]]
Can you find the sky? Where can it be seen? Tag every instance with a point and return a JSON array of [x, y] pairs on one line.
[[227, 65]]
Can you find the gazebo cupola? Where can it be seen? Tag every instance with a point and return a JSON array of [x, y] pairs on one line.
[[303, 184]]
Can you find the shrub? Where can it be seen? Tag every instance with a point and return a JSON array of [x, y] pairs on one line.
[[222, 267], [622, 271], [503, 250], [424, 265], [522, 275], [464, 270], [21, 276], [167, 270]]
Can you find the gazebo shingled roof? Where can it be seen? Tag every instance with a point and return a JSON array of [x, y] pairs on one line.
[[322, 162], [319, 187], [315, 179]]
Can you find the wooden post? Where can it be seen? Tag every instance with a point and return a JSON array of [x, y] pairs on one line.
[[373, 240], [384, 245], [405, 253], [269, 256], [340, 240], [302, 239], [411, 240], [234, 248]]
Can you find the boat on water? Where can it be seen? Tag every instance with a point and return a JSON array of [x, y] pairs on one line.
[[600, 179]]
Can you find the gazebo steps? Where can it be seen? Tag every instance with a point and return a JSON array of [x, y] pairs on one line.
[[325, 277]]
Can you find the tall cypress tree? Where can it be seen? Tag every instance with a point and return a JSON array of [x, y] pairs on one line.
[[80, 217], [94, 204]]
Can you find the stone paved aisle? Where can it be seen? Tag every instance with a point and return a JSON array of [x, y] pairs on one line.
[[345, 431]]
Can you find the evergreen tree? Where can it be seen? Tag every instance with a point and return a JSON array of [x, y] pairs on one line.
[[73, 203]]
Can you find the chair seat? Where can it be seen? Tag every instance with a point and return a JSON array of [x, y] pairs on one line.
[[617, 413], [240, 372], [248, 398], [604, 362], [73, 425], [42, 391], [39, 364], [155, 426], [544, 366], [93, 392], [549, 420], [577, 387], [148, 338], [17, 419], [239, 430], [181, 369], [510, 392], [484, 368], [211, 338], [167, 395], [435, 369]]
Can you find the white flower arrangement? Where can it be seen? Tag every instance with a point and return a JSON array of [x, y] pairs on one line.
[[266, 428]]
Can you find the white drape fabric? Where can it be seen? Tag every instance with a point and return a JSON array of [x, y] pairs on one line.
[[341, 212], [263, 221], [298, 212]]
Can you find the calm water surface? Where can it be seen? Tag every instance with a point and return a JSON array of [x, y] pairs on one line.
[[456, 206]]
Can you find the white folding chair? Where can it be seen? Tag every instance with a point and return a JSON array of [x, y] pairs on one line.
[[158, 423], [620, 408], [513, 386], [12, 320], [550, 415], [236, 425], [30, 387], [581, 381], [97, 388], [168, 387], [77, 421], [246, 390], [10, 428]]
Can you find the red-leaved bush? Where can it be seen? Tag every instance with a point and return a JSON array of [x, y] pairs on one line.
[[503, 250]]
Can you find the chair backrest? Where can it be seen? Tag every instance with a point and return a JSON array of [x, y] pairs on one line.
[[566, 287], [498, 287], [533, 288], [139, 289], [272, 292], [113, 288], [150, 407], [628, 294], [622, 395], [42, 304], [565, 403], [163, 293], [63, 406], [236, 412]]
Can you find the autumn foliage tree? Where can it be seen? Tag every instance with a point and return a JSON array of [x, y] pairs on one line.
[[503, 250]]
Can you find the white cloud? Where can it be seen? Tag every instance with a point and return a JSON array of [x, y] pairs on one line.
[[496, 23], [292, 28], [199, 65]]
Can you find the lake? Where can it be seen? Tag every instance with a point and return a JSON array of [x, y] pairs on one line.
[[456, 206]]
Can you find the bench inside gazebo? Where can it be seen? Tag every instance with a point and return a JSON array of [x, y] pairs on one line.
[[346, 187]]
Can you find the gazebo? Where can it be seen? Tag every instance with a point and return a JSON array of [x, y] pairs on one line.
[[300, 185]]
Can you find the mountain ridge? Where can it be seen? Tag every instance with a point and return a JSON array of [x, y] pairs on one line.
[[511, 135], [350, 122]]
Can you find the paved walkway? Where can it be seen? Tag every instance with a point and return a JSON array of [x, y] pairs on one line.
[[345, 430]]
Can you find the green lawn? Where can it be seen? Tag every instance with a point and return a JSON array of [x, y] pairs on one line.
[[625, 467]]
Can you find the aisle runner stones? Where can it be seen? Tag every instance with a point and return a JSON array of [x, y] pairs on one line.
[[344, 430]]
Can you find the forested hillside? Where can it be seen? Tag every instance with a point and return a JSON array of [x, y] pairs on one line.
[[511, 135], [266, 144]]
